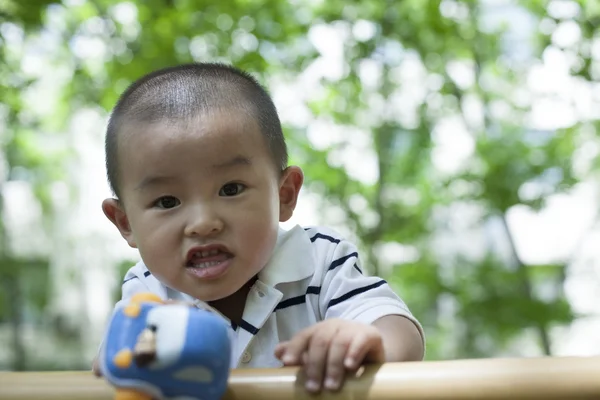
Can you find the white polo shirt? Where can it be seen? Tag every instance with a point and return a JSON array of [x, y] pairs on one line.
[[313, 275]]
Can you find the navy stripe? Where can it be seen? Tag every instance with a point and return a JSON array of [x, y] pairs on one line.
[[354, 292], [321, 236], [129, 279], [248, 327], [313, 290], [147, 273], [294, 301], [234, 326], [342, 260], [356, 268]]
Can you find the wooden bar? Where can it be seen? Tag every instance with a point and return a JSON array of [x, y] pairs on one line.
[[532, 378]]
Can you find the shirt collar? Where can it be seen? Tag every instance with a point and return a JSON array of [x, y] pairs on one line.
[[292, 260]]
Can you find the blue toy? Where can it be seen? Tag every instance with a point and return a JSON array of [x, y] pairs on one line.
[[154, 350]]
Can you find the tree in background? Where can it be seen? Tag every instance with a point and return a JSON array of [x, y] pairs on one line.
[[385, 88], [26, 158]]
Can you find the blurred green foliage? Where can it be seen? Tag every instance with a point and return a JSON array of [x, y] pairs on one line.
[[492, 298]]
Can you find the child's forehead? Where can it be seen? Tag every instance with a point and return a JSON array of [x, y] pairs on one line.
[[207, 135], [206, 126]]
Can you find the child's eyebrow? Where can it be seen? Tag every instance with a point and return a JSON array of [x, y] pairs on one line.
[[157, 180], [236, 161], [153, 181]]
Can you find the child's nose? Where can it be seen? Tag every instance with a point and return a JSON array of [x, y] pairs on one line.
[[203, 223]]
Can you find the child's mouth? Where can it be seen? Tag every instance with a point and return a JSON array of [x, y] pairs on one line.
[[205, 259], [208, 263]]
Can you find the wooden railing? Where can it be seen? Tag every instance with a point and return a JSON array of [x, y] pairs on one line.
[[538, 378]]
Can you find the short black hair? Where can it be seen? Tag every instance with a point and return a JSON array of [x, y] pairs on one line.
[[185, 91]]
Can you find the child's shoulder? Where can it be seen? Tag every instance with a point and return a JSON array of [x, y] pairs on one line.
[[136, 272], [314, 245], [328, 243], [316, 232]]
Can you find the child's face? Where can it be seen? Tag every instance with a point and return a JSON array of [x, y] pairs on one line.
[[202, 201]]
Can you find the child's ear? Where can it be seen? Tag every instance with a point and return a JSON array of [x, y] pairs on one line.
[[115, 212], [289, 189]]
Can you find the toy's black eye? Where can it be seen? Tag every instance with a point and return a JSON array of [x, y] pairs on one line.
[[152, 328]]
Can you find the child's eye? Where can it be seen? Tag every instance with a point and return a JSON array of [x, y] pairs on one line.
[[167, 202], [231, 189]]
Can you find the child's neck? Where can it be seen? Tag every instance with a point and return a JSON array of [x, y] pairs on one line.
[[233, 306]]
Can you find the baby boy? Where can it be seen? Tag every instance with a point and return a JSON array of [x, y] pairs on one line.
[[198, 164]]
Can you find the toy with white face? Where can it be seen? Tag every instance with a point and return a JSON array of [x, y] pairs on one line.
[[167, 351], [167, 326]]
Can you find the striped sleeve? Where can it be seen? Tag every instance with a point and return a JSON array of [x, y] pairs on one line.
[[347, 293], [139, 280], [132, 284]]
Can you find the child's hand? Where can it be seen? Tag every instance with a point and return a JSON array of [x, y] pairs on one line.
[[96, 368], [329, 349]]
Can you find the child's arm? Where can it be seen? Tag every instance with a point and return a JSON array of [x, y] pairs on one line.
[[363, 320], [330, 348], [401, 339]]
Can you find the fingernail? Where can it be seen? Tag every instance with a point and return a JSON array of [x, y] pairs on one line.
[[287, 358], [332, 384], [349, 362], [312, 385]]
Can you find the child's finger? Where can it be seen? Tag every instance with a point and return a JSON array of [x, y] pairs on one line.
[[316, 362], [290, 352], [280, 349], [335, 370], [366, 343]]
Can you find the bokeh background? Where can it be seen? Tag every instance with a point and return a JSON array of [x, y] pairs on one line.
[[456, 141]]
